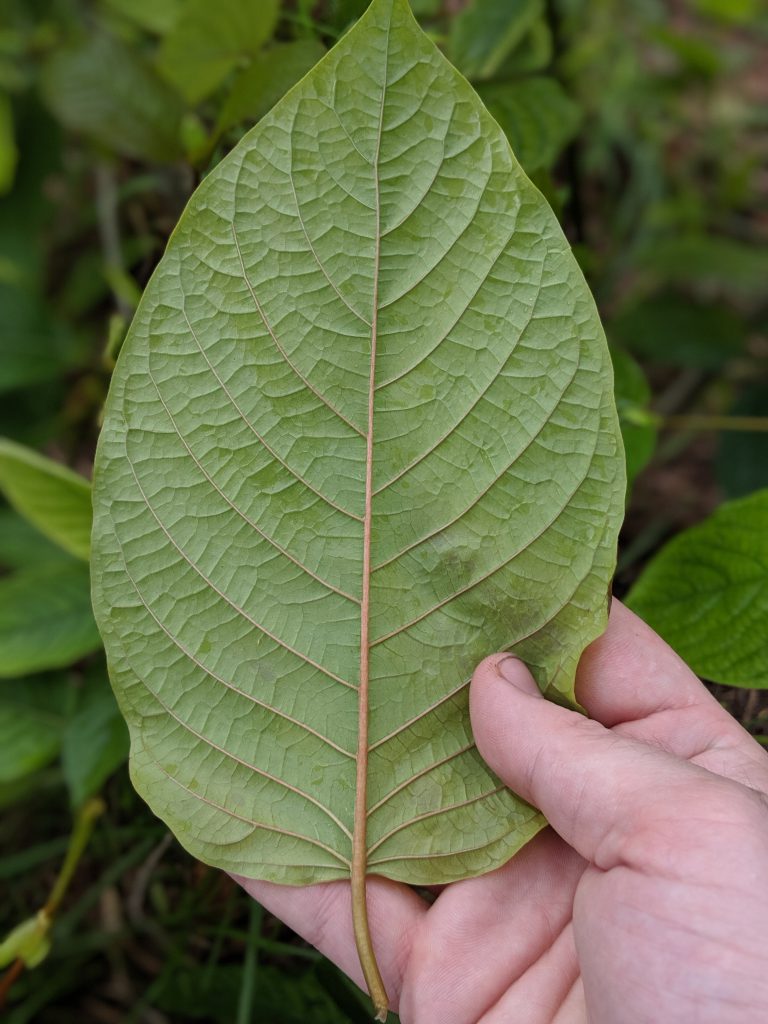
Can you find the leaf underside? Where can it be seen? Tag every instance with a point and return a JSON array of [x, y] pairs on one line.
[[370, 250]]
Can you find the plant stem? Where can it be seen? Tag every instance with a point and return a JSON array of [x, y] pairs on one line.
[[81, 833], [250, 966], [12, 975], [373, 979], [703, 422], [107, 209]]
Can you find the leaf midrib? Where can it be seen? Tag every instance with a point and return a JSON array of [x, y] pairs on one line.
[[359, 867]]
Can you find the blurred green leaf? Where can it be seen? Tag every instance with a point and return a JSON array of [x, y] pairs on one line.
[[344, 12], [12, 75], [62, 713], [95, 743], [695, 54], [116, 331], [32, 415], [55, 693], [88, 282], [211, 39], [29, 738], [350, 998], [8, 152], [280, 997], [28, 942], [486, 32], [425, 8], [194, 137], [104, 89], [52, 497], [538, 118], [256, 90], [713, 263], [45, 618], [13, 793], [33, 712], [706, 593], [533, 53], [22, 545], [26, 211], [674, 330], [742, 458], [158, 16], [739, 12], [34, 346], [123, 286], [633, 396]]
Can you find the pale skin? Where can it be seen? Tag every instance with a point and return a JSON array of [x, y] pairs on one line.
[[645, 902]]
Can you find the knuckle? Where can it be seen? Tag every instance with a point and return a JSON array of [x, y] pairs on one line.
[[703, 820]]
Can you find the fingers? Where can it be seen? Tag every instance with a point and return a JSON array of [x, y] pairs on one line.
[[630, 672], [483, 934], [595, 787], [630, 680], [322, 914]]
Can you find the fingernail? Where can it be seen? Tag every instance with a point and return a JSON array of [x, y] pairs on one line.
[[514, 671]]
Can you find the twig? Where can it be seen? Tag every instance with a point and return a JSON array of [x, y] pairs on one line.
[[81, 833], [250, 966], [694, 421], [143, 876], [7, 981], [109, 231]]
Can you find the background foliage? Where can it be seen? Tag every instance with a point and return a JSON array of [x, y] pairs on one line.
[[643, 122]]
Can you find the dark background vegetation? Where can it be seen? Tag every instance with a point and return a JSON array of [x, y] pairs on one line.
[[645, 123]]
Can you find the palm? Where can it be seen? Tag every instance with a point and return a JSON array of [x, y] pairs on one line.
[[631, 925]]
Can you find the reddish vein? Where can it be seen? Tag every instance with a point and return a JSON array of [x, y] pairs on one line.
[[359, 837]]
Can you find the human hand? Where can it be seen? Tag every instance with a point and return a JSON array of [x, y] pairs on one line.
[[644, 903]]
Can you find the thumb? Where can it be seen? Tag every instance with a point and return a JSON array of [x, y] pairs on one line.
[[597, 789]]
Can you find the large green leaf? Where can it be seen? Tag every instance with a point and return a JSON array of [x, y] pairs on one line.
[[52, 497], [45, 618], [211, 39], [361, 433], [706, 593]]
